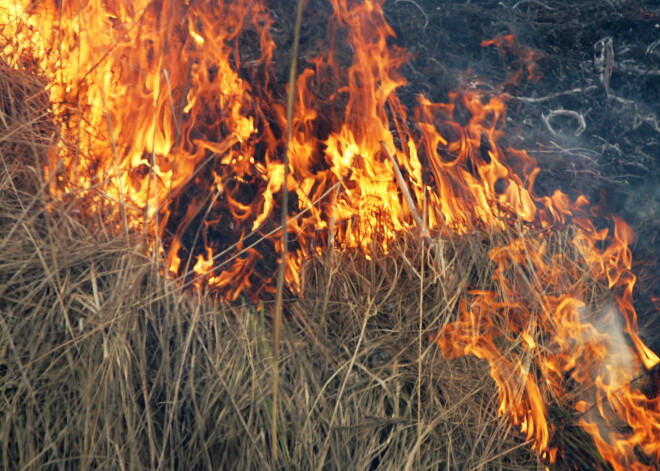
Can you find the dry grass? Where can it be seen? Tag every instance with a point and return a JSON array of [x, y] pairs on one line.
[[106, 365]]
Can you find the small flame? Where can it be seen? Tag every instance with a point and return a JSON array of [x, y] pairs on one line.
[[167, 128]]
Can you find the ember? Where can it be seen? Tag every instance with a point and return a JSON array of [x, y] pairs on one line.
[[166, 128]]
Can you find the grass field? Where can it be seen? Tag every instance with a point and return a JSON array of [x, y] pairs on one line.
[[105, 363]]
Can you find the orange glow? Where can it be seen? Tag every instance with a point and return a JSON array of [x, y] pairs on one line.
[[166, 126]]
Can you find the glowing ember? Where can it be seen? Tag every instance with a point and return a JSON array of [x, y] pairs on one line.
[[161, 131]]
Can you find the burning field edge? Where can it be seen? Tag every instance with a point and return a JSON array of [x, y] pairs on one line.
[[105, 364]]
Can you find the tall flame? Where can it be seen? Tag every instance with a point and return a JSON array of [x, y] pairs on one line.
[[167, 127]]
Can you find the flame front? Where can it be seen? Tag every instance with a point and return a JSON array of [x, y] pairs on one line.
[[167, 128]]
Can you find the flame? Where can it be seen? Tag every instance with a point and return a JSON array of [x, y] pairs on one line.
[[166, 127]]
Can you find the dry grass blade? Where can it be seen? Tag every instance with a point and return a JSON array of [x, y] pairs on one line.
[[277, 325]]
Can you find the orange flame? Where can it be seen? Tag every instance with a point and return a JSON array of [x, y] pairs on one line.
[[166, 127]]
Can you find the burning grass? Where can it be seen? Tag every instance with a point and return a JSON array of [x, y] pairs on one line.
[[106, 364]]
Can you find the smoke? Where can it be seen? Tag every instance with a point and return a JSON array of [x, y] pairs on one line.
[[613, 371], [617, 369]]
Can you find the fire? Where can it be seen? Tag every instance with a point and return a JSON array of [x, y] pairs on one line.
[[166, 127]]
